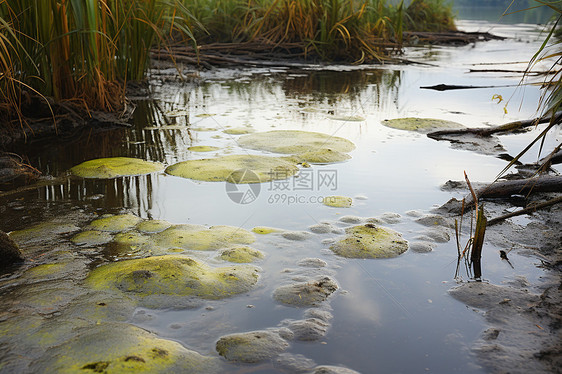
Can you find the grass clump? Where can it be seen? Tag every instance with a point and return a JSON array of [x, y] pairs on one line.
[[430, 15], [81, 50]]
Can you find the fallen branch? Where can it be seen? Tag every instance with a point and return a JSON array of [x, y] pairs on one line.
[[487, 131], [555, 157], [449, 37], [530, 209], [545, 183], [511, 71], [448, 87]]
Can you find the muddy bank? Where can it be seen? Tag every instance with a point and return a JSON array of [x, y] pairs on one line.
[[524, 317]]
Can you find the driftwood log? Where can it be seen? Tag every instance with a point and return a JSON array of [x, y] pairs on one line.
[[263, 52], [450, 37], [507, 188], [449, 87], [529, 209], [487, 131]]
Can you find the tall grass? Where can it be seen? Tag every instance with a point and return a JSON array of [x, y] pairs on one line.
[[82, 49], [333, 29], [550, 102], [351, 30], [430, 15]]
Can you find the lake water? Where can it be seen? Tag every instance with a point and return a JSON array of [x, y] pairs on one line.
[[389, 315]]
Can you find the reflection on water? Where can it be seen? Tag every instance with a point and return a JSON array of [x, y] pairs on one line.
[[521, 11], [391, 314]]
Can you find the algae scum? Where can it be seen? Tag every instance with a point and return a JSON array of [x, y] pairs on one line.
[[258, 220]]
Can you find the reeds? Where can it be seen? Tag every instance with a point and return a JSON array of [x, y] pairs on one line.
[[333, 29], [429, 15], [82, 49], [472, 251], [350, 30]]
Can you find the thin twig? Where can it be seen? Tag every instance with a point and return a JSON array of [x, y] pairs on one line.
[[529, 209]]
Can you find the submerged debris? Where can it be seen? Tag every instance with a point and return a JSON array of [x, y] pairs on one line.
[[251, 347], [306, 294], [309, 329]]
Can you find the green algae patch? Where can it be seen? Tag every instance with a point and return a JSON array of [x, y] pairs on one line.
[[226, 168], [130, 238], [203, 148], [45, 270], [241, 254], [251, 347], [320, 156], [122, 348], [370, 241], [117, 223], [167, 127], [152, 226], [113, 167], [239, 131], [294, 142], [306, 294], [92, 238], [200, 238], [203, 129], [41, 232], [347, 118], [423, 125], [177, 113], [338, 201], [263, 230], [173, 275]]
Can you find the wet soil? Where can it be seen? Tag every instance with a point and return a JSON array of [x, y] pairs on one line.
[[524, 317]]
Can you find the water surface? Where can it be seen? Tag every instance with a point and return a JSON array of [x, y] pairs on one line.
[[391, 315]]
